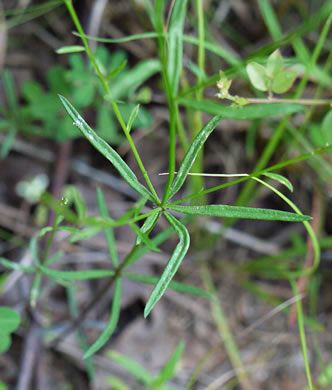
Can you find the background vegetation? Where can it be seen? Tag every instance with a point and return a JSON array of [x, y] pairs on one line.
[[165, 190]]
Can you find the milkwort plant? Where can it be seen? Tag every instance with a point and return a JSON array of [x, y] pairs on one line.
[[170, 39]]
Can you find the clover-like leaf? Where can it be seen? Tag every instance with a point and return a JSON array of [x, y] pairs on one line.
[[283, 81], [274, 64], [257, 76]]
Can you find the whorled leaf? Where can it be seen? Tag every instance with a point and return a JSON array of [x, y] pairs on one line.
[[172, 265], [191, 155], [225, 211], [106, 150]]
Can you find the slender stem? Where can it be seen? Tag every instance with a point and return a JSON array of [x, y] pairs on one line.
[[109, 96], [307, 102], [198, 182]]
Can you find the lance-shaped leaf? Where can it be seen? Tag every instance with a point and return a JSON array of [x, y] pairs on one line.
[[76, 275], [106, 150], [112, 323], [172, 265], [192, 153], [175, 44], [241, 212], [148, 225], [251, 111]]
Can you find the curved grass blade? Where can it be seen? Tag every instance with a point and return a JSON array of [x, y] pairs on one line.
[[281, 179], [172, 265], [175, 43], [192, 153], [106, 150], [225, 211], [251, 111], [113, 321]]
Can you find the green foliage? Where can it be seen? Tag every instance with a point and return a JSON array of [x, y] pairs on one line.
[[272, 77], [42, 115], [158, 382], [9, 322]]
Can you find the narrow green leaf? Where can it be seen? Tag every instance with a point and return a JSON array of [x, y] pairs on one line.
[[117, 70], [130, 80], [144, 238], [270, 19], [76, 275], [9, 319], [241, 212], [112, 323], [132, 117], [35, 290], [176, 286], [257, 76], [131, 366], [172, 265], [115, 383], [148, 225], [15, 266], [168, 370], [281, 179], [283, 81], [72, 195], [106, 150], [108, 231], [70, 49], [84, 234], [191, 155], [175, 44], [251, 111]]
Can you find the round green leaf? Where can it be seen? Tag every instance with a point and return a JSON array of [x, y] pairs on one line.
[[5, 342], [9, 319], [257, 76], [283, 81], [274, 64], [3, 386]]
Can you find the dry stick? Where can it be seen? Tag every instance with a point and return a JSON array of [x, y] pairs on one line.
[[303, 280]]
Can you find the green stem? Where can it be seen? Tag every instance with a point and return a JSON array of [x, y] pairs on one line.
[[307, 102], [109, 96]]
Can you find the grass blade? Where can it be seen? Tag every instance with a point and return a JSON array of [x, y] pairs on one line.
[[191, 154], [175, 44], [225, 211], [108, 231], [172, 265], [251, 111], [106, 150], [113, 321], [168, 370], [131, 366], [176, 286], [76, 275]]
